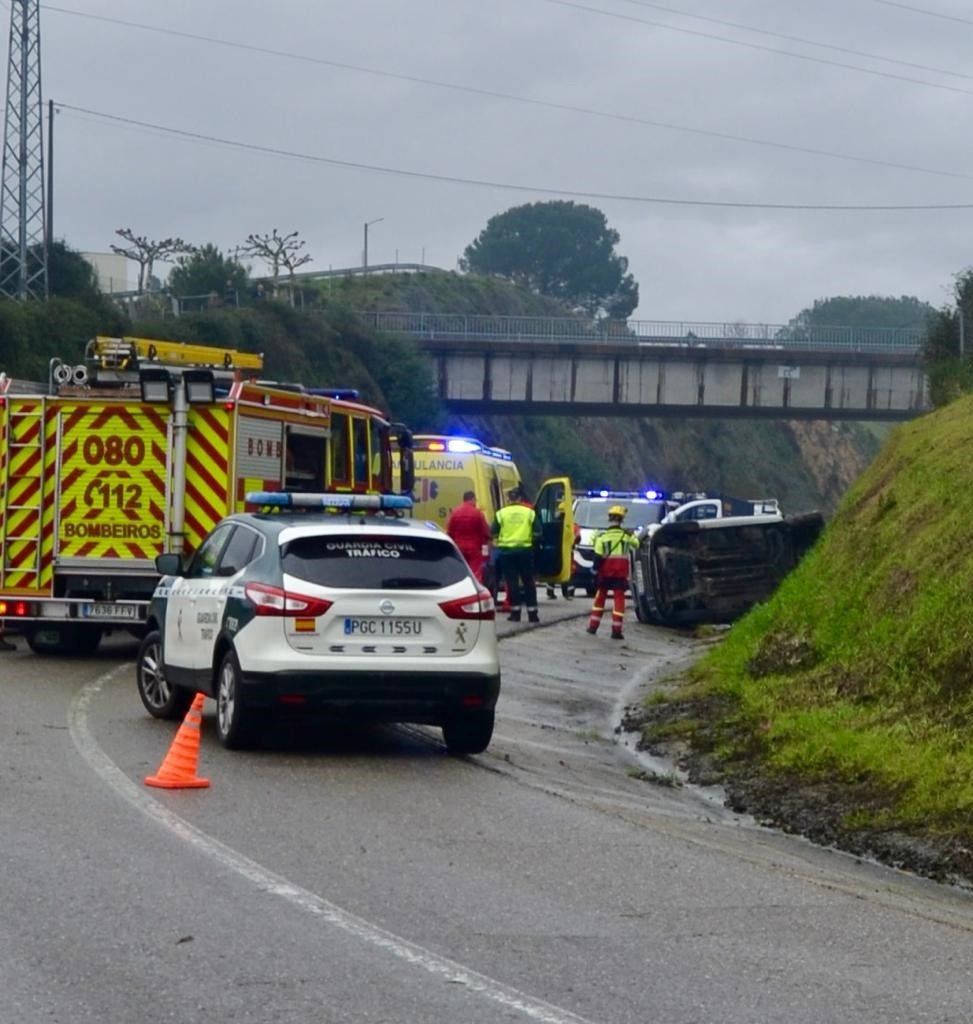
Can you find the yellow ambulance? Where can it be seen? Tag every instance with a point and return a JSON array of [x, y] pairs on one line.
[[446, 467]]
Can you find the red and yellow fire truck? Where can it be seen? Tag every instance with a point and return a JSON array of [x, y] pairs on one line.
[[140, 450]]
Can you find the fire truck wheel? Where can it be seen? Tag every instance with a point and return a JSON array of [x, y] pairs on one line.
[[235, 722], [64, 638], [161, 699]]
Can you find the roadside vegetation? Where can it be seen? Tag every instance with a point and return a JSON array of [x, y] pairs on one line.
[[843, 706]]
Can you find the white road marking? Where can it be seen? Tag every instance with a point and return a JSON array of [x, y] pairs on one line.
[[276, 885]]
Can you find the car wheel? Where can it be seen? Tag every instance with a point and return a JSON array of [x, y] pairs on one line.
[[235, 723], [469, 733], [160, 697]]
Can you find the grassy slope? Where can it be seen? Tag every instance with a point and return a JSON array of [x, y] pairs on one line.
[[859, 671]]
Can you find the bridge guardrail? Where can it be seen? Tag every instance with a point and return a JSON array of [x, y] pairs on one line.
[[646, 332]]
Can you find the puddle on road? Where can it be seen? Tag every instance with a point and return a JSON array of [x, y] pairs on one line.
[[652, 676]]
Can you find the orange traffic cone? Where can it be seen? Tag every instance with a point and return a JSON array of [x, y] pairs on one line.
[[178, 768]]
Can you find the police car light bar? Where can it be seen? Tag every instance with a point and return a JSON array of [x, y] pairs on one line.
[[287, 499], [651, 494]]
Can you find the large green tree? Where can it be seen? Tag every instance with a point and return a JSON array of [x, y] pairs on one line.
[[948, 347], [207, 270], [866, 311], [561, 249]]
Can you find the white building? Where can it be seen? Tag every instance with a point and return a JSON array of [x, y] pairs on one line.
[[111, 270]]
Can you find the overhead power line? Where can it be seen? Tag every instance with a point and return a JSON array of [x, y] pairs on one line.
[[758, 46], [801, 39], [506, 186], [925, 10], [514, 98]]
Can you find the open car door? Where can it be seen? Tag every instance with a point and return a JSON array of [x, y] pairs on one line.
[[552, 552]]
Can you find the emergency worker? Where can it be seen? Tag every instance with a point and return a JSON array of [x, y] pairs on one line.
[[612, 546], [468, 526], [515, 530]]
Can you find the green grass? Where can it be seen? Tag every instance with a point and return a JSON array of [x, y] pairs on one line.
[[859, 670]]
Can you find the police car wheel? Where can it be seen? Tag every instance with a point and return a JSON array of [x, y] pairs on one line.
[[161, 699], [235, 724], [468, 733]]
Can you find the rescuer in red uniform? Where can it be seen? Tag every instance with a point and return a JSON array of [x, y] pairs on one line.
[[468, 526], [612, 546]]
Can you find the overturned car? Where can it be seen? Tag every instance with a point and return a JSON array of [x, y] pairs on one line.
[[690, 570]]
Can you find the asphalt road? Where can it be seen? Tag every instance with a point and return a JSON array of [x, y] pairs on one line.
[[363, 875]]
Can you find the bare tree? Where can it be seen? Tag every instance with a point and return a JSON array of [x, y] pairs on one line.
[[278, 252], [145, 252], [291, 261]]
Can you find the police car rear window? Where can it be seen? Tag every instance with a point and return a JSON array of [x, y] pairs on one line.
[[638, 513], [374, 562]]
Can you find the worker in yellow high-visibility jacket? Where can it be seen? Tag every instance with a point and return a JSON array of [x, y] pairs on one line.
[[515, 529]]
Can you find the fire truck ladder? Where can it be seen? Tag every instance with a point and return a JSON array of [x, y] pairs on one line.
[[130, 353], [22, 516]]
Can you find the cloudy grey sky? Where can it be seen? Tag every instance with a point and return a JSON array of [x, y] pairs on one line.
[[211, 119]]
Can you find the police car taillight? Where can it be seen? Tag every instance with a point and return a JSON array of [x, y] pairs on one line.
[[480, 606], [268, 600]]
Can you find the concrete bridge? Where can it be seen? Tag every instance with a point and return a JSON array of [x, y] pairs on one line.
[[565, 366]]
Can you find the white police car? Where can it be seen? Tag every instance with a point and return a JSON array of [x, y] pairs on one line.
[[340, 613], [591, 517]]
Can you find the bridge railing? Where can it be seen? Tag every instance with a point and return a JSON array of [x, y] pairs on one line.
[[645, 332]]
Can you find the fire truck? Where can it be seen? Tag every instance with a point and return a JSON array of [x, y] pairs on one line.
[[140, 450]]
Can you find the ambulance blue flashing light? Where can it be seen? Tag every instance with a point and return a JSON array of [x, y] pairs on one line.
[[287, 499], [462, 446]]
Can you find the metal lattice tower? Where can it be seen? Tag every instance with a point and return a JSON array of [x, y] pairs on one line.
[[23, 237]]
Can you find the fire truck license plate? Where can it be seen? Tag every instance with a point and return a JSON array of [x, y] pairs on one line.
[[104, 610], [367, 627]]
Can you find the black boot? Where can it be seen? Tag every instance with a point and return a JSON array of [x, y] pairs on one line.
[[514, 615], [532, 615]]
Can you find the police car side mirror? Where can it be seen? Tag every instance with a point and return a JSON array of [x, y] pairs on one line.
[[169, 565]]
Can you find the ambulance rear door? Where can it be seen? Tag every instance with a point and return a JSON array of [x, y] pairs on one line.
[[552, 553]]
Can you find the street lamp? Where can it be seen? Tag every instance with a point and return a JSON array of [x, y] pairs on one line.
[[368, 224]]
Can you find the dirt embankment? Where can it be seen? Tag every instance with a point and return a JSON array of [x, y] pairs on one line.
[[819, 812]]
